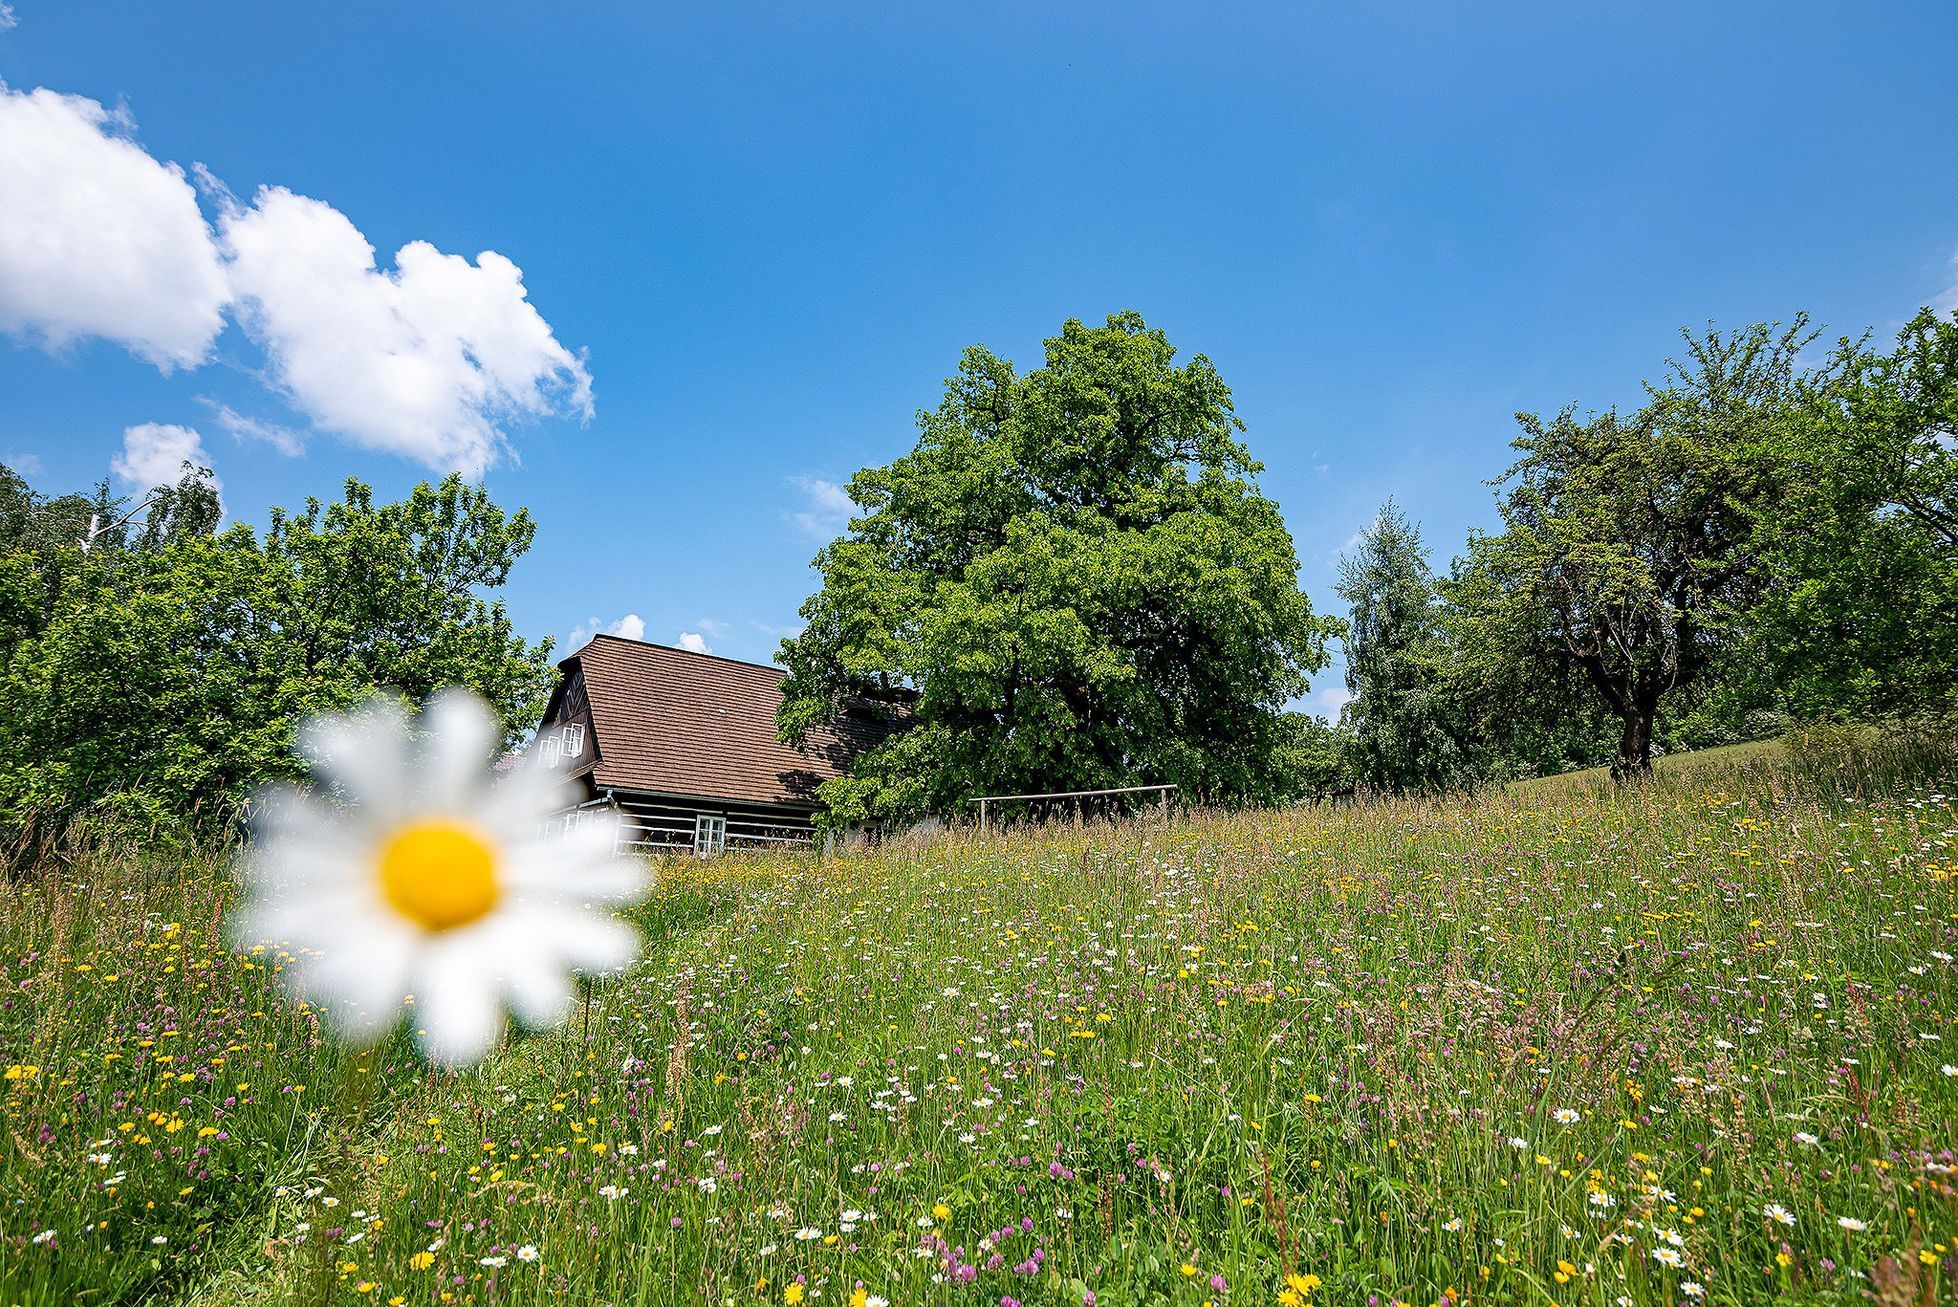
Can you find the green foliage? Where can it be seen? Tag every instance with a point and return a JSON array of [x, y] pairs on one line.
[[1861, 542], [1075, 582], [1310, 759], [157, 682], [1628, 554], [1404, 727]]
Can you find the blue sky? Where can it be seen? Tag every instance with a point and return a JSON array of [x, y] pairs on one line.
[[763, 234]]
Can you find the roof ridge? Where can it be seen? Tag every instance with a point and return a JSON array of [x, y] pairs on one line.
[[674, 648]]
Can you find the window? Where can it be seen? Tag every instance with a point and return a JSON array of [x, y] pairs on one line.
[[550, 750], [709, 835], [574, 741]]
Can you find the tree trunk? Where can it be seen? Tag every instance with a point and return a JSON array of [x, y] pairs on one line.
[[1634, 760]]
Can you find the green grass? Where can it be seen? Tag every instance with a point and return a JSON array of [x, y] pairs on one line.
[[1525, 1049], [1721, 757]]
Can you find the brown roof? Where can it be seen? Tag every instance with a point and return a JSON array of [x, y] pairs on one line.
[[668, 721]]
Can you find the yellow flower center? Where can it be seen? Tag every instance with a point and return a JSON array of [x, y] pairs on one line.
[[439, 874]]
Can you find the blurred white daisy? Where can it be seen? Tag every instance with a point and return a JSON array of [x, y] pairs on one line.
[[418, 876]]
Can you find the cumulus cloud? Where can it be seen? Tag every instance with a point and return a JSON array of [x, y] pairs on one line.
[[28, 465], [430, 358], [154, 453], [630, 627], [694, 642], [829, 507], [98, 239], [8, 19], [425, 359]]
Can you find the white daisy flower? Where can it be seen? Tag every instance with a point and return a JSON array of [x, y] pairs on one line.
[[1851, 1224], [527, 1253], [420, 878], [1776, 1212]]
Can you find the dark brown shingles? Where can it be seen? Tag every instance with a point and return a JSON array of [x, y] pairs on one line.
[[669, 721]]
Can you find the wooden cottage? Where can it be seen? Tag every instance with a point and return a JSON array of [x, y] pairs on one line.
[[683, 745]]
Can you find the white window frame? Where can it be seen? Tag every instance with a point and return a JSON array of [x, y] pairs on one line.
[[550, 750], [574, 740], [709, 834]]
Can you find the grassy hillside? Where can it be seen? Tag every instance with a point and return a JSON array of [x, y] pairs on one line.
[[1559, 1045], [1679, 765]]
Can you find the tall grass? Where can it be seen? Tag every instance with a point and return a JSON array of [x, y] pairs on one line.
[[1691, 1039]]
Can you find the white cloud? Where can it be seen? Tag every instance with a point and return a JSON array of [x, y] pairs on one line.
[[1328, 701], [26, 464], [1352, 543], [775, 632], [1947, 300], [430, 358], [154, 454], [424, 360], [244, 429], [99, 239], [8, 19], [629, 627], [693, 642], [830, 507]]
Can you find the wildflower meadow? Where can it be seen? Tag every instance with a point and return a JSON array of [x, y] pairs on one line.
[[1689, 1040]]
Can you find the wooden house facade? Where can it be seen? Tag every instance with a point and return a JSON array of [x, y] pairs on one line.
[[683, 746]]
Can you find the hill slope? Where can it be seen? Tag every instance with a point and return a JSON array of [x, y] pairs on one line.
[[1690, 1040]]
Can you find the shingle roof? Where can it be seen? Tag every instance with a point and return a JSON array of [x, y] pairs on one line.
[[669, 721]]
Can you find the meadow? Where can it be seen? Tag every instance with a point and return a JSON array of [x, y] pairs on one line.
[[1689, 1041]]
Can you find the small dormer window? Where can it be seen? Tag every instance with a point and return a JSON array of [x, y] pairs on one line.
[[574, 741]]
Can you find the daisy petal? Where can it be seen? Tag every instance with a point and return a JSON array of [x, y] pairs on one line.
[[363, 753], [360, 987], [462, 740], [456, 1000], [584, 941], [539, 990]]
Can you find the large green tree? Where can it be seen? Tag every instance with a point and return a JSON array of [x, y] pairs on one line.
[[162, 675], [1861, 542], [1629, 555], [1073, 581], [1403, 727]]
